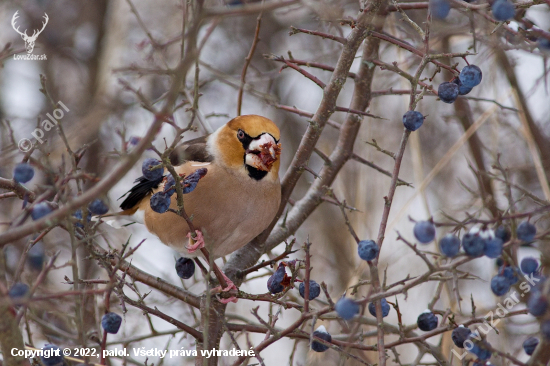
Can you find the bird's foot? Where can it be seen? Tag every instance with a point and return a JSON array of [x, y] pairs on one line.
[[198, 242], [230, 286]]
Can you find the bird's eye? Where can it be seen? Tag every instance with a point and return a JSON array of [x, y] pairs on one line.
[[240, 135]]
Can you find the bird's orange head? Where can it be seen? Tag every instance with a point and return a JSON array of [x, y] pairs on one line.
[[250, 142]]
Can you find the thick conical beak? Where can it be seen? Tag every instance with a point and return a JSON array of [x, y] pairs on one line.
[[263, 152]]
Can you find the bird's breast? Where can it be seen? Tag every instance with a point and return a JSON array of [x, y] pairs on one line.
[[229, 207]]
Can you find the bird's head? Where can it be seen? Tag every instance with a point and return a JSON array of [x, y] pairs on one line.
[[250, 142]]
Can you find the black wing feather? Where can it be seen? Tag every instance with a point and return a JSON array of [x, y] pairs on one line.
[[139, 192], [192, 150]]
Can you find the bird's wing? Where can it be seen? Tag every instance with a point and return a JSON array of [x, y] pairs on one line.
[[138, 192], [192, 150]]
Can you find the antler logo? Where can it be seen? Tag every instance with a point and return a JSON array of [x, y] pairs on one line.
[[29, 41]]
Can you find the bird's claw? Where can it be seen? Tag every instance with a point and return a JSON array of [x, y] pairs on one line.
[[230, 286], [199, 242]]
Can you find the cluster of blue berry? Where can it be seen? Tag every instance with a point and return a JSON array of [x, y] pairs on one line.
[[476, 243], [281, 280], [24, 172], [153, 170], [19, 293], [110, 322], [463, 337], [469, 77]]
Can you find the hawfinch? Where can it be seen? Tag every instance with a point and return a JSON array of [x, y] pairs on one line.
[[233, 202]]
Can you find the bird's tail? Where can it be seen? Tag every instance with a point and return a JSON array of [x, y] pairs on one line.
[[128, 212], [120, 219], [129, 206]]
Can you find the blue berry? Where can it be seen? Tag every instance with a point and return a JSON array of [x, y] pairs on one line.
[[385, 308], [23, 173], [440, 8], [314, 289], [190, 182], [545, 329], [134, 140], [530, 344], [529, 265], [185, 268], [462, 90], [424, 231], [447, 92], [170, 185], [35, 256], [78, 215], [54, 355], [427, 321], [18, 292], [111, 322], [40, 210], [526, 231], [160, 202], [190, 186], [154, 174], [473, 245], [481, 350], [511, 275], [346, 308], [459, 335], [320, 332], [537, 304], [413, 120], [98, 207], [493, 247], [504, 233], [543, 44], [470, 76], [500, 285], [368, 250], [274, 282], [499, 262], [503, 10], [449, 245]]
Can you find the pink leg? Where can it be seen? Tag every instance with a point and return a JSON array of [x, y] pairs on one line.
[[230, 286], [199, 242]]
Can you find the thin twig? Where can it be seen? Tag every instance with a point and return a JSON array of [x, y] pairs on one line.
[[247, 61]]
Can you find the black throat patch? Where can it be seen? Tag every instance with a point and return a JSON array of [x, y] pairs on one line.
[[254, 173]]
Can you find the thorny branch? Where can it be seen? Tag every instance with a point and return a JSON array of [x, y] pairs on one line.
[[367, 32]]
